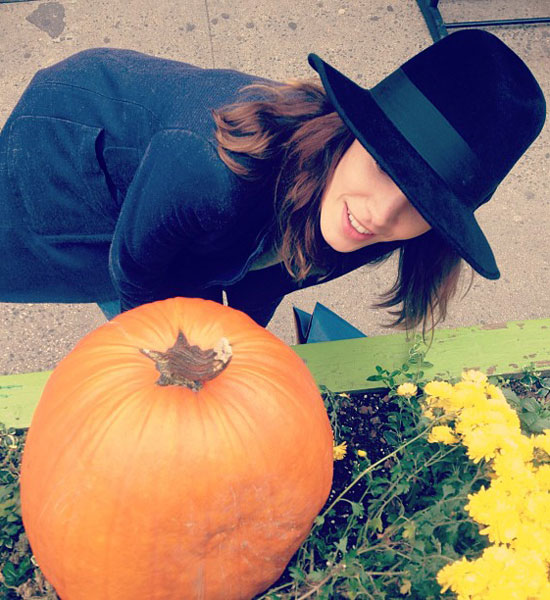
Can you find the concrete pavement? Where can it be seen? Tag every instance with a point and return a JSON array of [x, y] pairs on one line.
[[366, 40]]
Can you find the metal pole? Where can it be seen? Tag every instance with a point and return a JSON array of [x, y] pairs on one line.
[[489, 23], [433, 19]]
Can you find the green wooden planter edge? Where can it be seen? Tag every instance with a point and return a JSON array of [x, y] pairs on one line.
[[501, 349]]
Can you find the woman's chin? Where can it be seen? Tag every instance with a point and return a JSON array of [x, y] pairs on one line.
[[345, 246]]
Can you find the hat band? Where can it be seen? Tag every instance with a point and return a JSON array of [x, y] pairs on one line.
[[430, 134]]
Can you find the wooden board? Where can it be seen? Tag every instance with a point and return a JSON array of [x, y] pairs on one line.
[[505, 348], [19, 395]]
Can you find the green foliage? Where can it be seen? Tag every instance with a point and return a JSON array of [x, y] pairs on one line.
[[529, 395], [410, 371], [15, 560], [16, 574]]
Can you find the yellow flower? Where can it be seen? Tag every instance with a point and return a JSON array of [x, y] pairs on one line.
[[537, 506], [443, 434], [542, 475], [463, 579], [405, 588], [495, 393], [339, 452], [474, 376], [500, 572], [511, 467], [480, 445], [408, 390], [467, 395], [439, 389], [361, 453], [513, 510], [429, 413], [535, 537], [542, 441], [486, 441]]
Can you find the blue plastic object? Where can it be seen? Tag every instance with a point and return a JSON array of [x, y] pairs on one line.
[[323, 325]]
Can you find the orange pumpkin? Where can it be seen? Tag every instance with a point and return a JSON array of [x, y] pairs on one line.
[[162, 464]]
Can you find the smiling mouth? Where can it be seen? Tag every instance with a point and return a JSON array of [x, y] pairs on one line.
[[356, 225]]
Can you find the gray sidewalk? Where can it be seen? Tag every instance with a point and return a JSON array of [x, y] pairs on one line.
[[365, 39]]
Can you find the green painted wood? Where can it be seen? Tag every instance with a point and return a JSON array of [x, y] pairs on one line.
[[502, 349], [19, 395]]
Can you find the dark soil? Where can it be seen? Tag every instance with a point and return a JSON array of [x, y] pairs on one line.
[[363, 419]]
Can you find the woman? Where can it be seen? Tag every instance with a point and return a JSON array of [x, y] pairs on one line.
[[126, 179]]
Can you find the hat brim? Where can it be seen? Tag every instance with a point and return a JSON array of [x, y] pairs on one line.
[[426, 191]]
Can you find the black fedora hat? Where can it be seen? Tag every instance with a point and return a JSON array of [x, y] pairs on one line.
[[447, 127]]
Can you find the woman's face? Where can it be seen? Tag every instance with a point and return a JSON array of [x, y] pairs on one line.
[[362, 205]]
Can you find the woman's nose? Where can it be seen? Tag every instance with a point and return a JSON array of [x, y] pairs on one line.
[[385, 210]]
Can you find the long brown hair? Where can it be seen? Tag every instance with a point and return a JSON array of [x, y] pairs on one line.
[[427, 278], [294, 127]]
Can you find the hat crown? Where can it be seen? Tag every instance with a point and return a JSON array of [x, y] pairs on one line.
[[505, 105]]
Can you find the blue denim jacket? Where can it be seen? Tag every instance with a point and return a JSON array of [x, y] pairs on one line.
[[111, 187]]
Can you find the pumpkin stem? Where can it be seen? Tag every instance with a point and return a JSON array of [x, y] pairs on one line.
[[189, 366]]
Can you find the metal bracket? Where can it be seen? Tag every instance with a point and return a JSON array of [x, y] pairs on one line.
[[438, 27]]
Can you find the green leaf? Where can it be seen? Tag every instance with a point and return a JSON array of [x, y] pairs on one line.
[[375, 378], [448, 490], [387, 556], [315, 576], [538, 424], [320, 544], [512, 397], [402, 487], [15, 575], [357, 509], [529, 404], [297, 574], [390, 437], [342, 545], [376, 525]]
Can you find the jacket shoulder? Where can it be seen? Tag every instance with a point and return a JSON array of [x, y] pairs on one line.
[[177, 93], [114, 73]]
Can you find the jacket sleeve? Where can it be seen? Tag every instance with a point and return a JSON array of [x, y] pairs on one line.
[[260, 292], [262, 312], [176, 204]]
